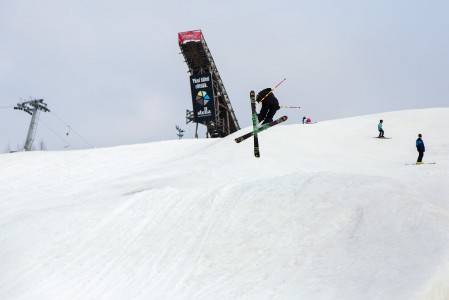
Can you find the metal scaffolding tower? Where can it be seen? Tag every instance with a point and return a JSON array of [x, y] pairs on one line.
[[32, 107], [199, 60]]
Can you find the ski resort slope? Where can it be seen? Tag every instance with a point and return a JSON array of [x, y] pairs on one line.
[[326, 212]]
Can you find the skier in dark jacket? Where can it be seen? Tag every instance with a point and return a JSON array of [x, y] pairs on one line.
[[421, 149], [270, 105]]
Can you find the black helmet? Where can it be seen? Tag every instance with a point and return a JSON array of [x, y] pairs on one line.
[[381, 121]]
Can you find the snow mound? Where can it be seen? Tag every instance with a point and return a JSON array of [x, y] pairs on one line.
[[326, 212]]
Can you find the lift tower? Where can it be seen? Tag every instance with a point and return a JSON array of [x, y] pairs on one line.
[[32, 107], [211, 105]]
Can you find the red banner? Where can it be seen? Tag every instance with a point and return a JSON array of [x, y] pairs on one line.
[[195, 35]]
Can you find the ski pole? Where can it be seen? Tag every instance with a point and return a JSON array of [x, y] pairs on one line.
[[290, 106], [272, 90]]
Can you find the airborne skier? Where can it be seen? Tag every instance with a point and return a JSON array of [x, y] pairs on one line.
[[270, 105]]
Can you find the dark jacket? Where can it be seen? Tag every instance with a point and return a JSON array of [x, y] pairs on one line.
[[270, 101], [420, 145]]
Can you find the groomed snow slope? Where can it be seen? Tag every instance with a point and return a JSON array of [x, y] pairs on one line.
[[327, 212]]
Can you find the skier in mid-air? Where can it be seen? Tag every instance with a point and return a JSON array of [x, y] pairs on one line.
[[270, 105], [379, 127]]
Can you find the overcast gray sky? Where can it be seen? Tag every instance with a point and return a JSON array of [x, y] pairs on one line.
[[113, 71]]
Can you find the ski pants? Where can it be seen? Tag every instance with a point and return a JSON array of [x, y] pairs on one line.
[[381, 133], [267, 113], [420, 156]]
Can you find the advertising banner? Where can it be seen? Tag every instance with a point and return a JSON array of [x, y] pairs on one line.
[[202, 97], [190, 36]]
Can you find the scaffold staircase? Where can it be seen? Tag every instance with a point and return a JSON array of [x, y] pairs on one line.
[[199, 60]]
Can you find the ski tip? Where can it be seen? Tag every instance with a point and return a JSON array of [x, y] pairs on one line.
[[252, 94]]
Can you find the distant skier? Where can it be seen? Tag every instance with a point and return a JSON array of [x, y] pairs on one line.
[[270, 105], [379, 127], [304, 119], [308, 120], [421, 149]]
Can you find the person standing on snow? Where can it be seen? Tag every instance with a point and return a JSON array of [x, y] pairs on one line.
[[379, 127], [270, 105], [421, 149]]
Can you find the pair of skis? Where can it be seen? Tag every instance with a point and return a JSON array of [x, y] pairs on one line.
[[261, 128], [257, 129]]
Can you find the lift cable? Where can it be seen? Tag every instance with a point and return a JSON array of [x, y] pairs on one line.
[[7, 106], [71, 129], [54, 131]]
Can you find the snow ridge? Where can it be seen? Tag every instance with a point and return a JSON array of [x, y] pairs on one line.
[[326, 212]]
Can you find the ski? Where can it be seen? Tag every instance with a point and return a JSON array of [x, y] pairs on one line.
[[252, 95], [431, 163], [384, 138], [261, 128]]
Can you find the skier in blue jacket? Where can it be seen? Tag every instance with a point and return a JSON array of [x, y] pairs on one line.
[[379, 127], [421, 149]]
